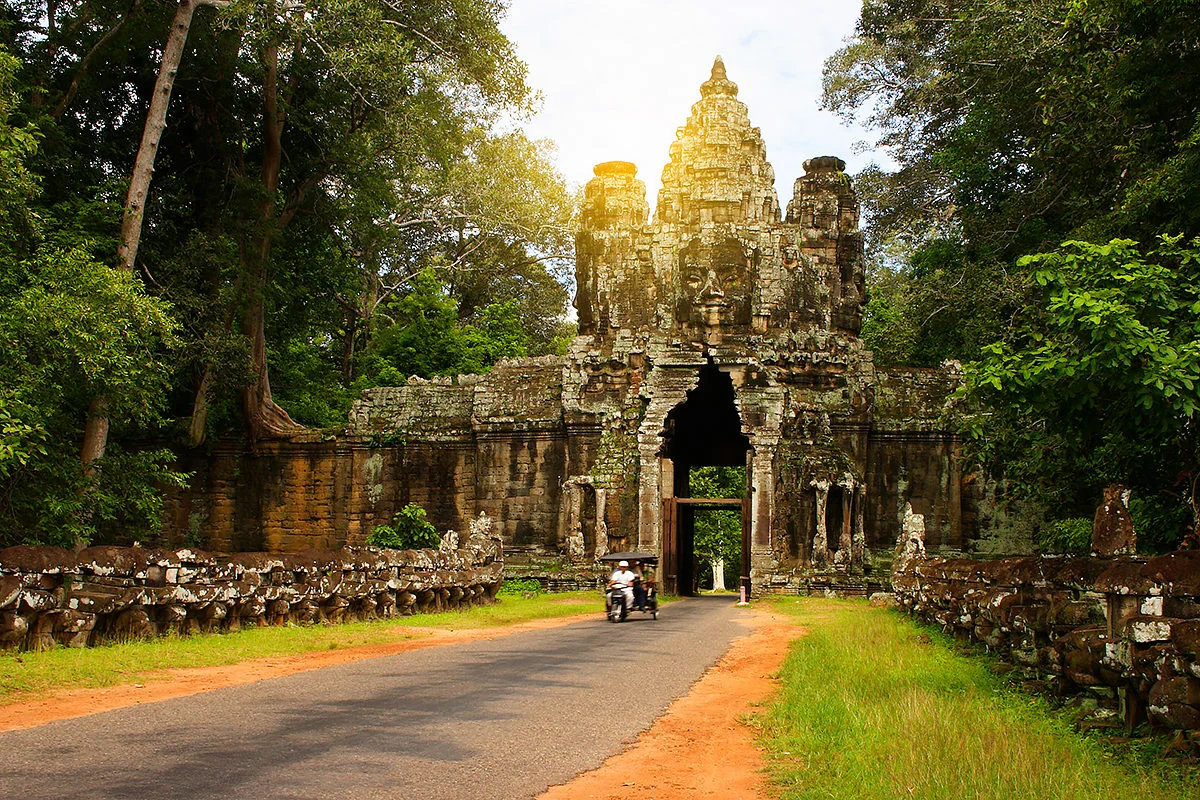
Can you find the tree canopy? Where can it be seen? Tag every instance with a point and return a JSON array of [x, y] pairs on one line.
[[342, 197], [1016, 128]]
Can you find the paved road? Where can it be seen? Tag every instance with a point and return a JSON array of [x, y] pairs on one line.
[[495, 719]]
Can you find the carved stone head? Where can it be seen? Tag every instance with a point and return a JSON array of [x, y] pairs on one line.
[[714, 284]]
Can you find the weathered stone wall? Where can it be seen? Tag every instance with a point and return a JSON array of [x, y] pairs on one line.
[[1121, 634], [52, 597], [456, 447], [915, 458], [290, 496]]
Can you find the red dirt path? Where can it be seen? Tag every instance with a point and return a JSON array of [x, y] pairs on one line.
[[699, 749]]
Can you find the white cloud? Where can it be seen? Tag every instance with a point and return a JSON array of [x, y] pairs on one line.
[[619, 76]]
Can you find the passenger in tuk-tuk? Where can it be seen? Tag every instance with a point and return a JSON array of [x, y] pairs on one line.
[[639, 586]]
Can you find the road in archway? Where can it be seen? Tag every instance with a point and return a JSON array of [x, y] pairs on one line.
[[496, 719]]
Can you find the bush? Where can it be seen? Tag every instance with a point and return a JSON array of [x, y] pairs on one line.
[[1066, 536], [409, 531], [520, 586], [1160, 521]]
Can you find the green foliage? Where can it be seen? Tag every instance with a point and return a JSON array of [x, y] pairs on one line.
[[1016, 123], [409, 530], [1161, 521], [394, 162], [425, 337], [718, 532], [18, 143], [520, 587], [1099, 381], [1015, 126], [392, 165], [1071, 536], [73, 328]]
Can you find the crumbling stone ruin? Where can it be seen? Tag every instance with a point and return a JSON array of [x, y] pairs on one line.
[[49, 596], [1120, 635], [723, 331]]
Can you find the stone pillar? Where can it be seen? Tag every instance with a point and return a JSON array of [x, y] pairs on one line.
[[846, 539], [858, 543], [601, 524], [820, 545], [573, 525], [763, 558]]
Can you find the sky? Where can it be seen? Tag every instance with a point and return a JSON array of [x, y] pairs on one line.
[[617, 77]]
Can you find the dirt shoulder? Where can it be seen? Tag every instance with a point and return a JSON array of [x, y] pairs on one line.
[[169, 683], [700, 749]]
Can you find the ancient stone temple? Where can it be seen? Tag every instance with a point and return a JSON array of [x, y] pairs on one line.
[[721, 331]]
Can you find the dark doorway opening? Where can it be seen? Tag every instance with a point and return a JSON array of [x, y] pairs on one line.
[[703, 431], [835, 519]]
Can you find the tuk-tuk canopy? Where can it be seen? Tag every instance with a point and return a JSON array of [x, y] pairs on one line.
[[645, 558]]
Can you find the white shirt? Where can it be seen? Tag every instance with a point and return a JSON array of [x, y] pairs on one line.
[[625, 576]]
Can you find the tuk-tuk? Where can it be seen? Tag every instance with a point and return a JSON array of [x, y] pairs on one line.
[[645, 587]]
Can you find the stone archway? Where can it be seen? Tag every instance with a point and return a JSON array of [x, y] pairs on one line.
[[703, 430]]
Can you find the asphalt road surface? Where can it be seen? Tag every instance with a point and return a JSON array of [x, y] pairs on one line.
[[497, 719]]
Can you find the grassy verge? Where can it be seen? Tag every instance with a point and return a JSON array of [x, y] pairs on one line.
[[873, 706], [24, 676]]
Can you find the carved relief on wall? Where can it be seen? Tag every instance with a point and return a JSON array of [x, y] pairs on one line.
[[789, 251], [715, 283]]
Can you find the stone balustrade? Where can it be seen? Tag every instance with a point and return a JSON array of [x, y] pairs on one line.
[[50, 596], [1120, 633]]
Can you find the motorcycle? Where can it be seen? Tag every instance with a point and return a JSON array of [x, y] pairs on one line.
[[616, 605]]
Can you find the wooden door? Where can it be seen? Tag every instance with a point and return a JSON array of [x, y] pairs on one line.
[[670, 550]]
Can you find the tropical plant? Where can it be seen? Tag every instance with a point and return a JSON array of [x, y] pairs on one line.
[[409, 530]]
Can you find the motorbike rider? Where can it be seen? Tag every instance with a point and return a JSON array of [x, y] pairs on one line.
[[624, 577]]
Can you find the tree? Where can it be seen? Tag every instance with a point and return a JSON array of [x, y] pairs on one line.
[[156, 122], [95, 432], [365, 98], [718, 532], [1099, 382], [73, 329], [494, 224], [1015, 125], [425, 337]]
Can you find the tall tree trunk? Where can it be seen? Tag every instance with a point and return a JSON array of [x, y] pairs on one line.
[[156, 123], [198, 424], [95, 432], [264, 418], [349, 337], [358, 320], [718, 566]]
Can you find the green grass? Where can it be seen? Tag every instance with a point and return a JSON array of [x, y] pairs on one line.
[[873, 706], [27, 675]]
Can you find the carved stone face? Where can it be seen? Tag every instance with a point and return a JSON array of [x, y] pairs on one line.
[[790, 252], [714, 285]]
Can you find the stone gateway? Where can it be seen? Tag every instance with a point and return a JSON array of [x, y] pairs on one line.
[[723, 331]]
